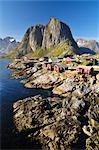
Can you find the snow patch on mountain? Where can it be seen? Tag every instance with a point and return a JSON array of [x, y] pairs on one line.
[[12, 40]]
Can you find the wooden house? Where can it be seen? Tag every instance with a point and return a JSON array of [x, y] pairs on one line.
[[49, 66], [67, 60], [44, 65], [80, 70], [56, 68], [89, 70], [85, 70], [60, 68]]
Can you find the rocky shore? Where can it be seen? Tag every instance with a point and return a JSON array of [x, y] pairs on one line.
[[62, 122]]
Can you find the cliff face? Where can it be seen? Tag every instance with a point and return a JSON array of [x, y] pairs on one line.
[[46, 37], [36, 37], [31, 40], [56, 32]]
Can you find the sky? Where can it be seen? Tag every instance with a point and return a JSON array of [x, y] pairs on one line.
[[81, 16]]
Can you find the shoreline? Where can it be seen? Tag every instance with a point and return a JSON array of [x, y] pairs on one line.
[[77, 101]]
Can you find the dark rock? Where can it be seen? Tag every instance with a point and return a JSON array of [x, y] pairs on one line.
[[32, 40], [92, 129], [43, 120]]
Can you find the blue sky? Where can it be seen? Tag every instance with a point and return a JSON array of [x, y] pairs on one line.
[[81, 16]]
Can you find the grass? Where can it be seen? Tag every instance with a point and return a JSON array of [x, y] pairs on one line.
[[86, 62], [60, 50], [37, 54]]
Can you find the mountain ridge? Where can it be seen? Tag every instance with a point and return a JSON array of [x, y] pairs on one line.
[[53, 39], [91, 44], [46, 37], [7, 44]]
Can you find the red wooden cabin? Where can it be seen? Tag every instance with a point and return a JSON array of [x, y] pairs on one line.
[[44, 65], [89, 70], [68, 60], [49, 67], [85, 70], [80, 70], [56, 68]]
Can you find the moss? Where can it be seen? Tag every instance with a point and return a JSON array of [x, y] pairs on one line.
[[86, 62], [61, 49], [38, 53]]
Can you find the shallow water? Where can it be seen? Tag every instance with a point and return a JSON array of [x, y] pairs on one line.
[[11, 91]]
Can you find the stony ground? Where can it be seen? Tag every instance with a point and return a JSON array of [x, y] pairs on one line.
[[59, 123]]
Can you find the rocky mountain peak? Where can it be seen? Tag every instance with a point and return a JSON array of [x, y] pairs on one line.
[[56, 32], [46, 37]]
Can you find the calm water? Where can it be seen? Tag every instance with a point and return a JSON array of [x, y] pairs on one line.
[[11, 91]]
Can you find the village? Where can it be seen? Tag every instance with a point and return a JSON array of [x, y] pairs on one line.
[[84, 64], [73, 82], [48, 73]]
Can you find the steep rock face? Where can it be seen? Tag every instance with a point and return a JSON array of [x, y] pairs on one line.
[[36, 37], [31, 40], [46, 37], [55, 32]]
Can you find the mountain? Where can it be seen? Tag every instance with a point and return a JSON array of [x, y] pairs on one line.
[[7, 44], [47, 37], [91, 44]]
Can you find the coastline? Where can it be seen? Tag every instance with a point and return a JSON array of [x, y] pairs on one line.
[[77, 101]]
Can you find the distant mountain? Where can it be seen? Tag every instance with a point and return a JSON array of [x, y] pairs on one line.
[[7, 44], [47, 37], [89, 44]]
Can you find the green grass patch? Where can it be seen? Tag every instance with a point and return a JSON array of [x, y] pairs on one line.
[[58, 51], [61, 49], [38, 53]]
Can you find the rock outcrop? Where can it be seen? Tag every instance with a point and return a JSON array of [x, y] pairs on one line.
[[56, 32], [32, 40], [58, 122], [68, 118], [48, 120], [46, 37]]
